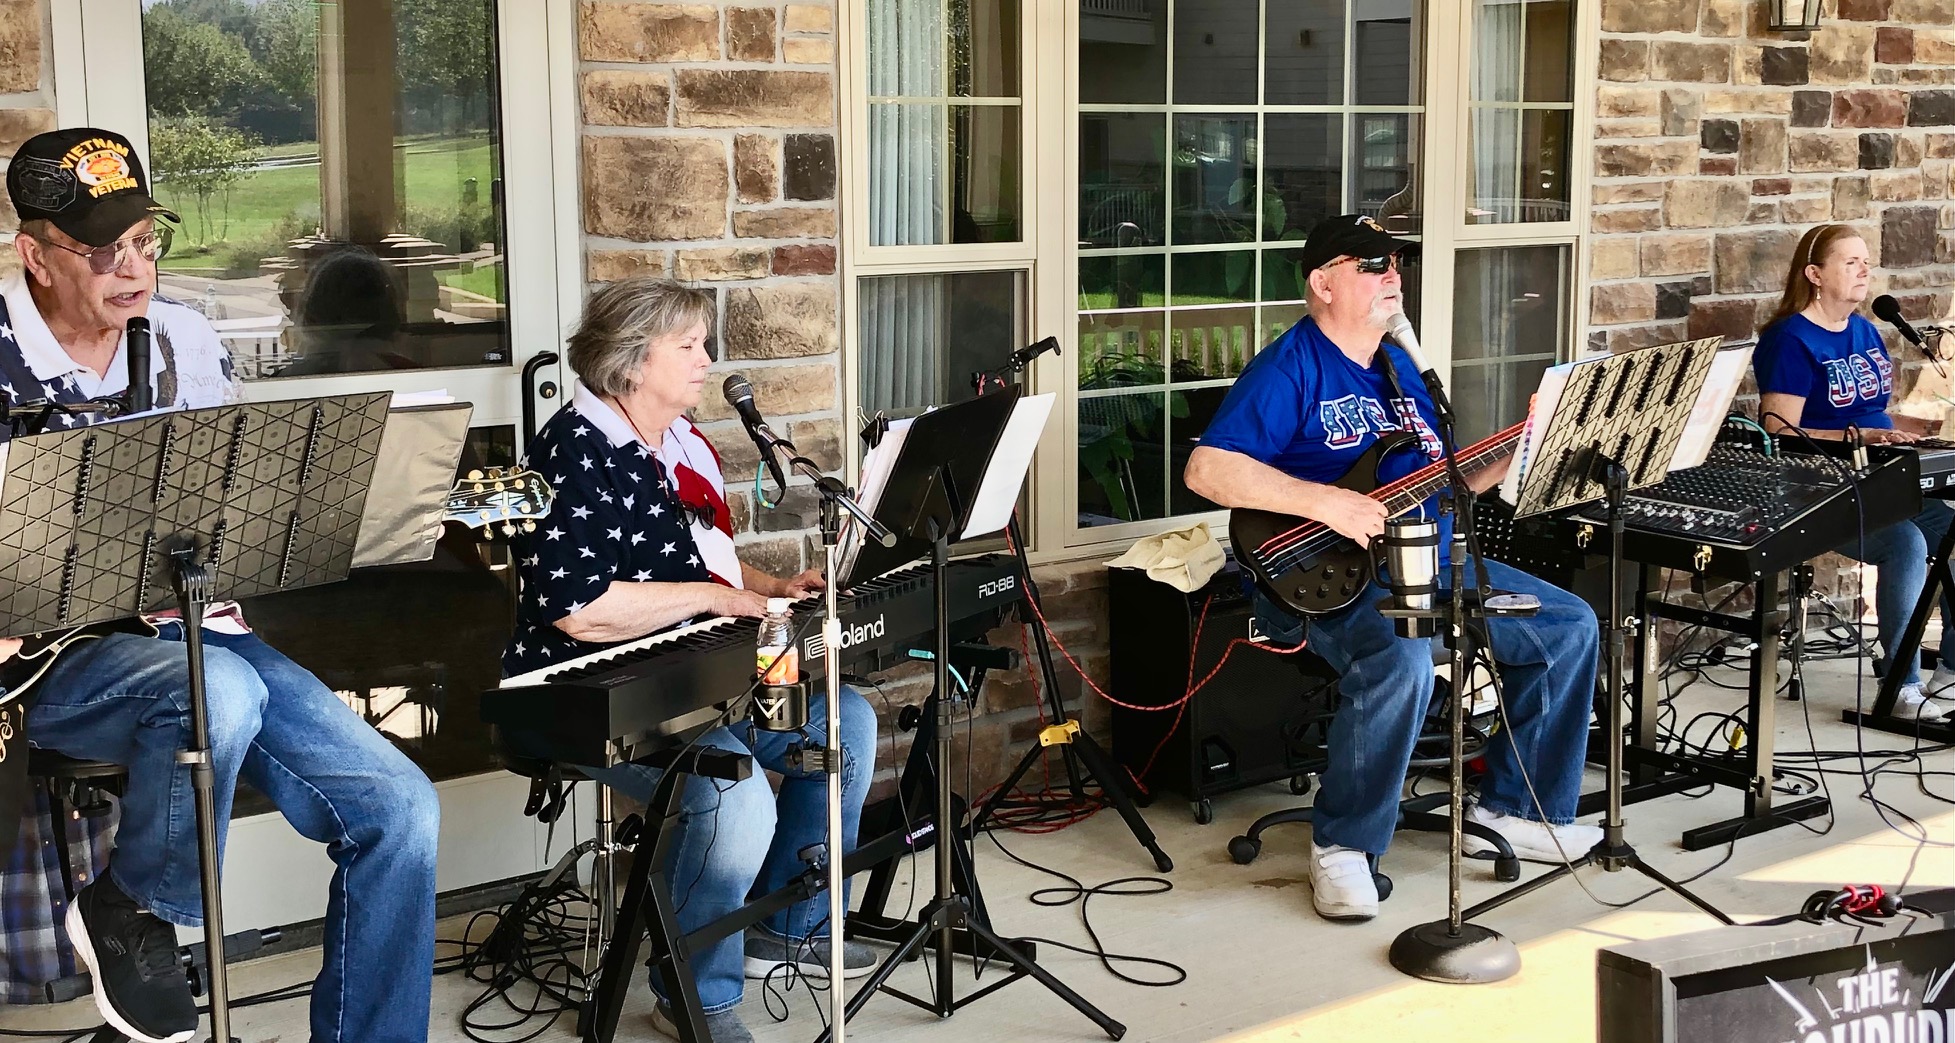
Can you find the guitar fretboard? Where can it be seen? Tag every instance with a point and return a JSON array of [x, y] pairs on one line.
[[1415, 488]]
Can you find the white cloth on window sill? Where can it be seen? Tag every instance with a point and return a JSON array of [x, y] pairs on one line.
[[1185, 559]]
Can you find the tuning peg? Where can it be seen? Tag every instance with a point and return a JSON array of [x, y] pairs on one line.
[[525, 506], [528, 526], [509, 528], [495, 472], [475, 475], [499, 486]]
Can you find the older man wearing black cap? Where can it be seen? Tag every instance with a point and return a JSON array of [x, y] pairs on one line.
[[1296, 420], [89, 242]]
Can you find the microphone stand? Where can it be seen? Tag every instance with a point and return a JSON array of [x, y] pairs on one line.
[[1453, 950], [836, 499]]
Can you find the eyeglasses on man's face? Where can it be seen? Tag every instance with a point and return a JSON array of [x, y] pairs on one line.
[[106, 259], [1369, 265]]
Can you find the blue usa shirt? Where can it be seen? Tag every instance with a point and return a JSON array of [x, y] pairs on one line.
[[1846, 378], [1303, 407]]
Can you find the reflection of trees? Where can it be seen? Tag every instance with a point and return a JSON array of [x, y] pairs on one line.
[[192, 154]]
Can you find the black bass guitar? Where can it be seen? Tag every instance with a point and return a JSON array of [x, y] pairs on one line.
[[482, 500], [1314, 569]]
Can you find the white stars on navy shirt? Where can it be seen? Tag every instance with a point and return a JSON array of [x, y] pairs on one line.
[[609, 524]]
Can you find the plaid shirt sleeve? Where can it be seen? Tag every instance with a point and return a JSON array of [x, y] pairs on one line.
[[34, 949]]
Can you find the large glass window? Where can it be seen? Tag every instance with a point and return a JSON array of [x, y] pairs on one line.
[[923, 336], [1522, 111], [338, 170], [1213, 134], [944, 135], [1512, 325]]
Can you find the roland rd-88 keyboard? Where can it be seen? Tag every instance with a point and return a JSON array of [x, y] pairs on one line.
[[1937, 456], [671, 683], [1743, 514]]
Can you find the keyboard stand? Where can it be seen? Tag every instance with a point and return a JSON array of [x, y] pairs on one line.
[[1882, 717]]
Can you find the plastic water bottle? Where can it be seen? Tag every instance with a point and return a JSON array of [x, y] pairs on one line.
[[776, 659]]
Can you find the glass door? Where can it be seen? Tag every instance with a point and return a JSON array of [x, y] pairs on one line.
[[353, 221]]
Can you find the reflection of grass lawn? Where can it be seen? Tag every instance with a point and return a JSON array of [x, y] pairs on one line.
[[485, 280], [434, 173]]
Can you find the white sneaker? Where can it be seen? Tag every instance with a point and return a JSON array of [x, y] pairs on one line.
[[1913, 703], [1340, 884], [1531, 840], [1942, 684]]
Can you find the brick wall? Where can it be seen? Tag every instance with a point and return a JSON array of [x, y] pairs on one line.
[[26, 95], [709, 155], [1718, 143]]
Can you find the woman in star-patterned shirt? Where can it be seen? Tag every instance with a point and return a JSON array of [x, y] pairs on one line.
[[640, 540]]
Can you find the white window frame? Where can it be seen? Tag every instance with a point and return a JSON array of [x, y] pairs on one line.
[[98, 55]]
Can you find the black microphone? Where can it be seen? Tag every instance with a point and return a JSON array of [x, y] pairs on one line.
[[1886, 307], [1024, 356], [142, 397], [739, 395]]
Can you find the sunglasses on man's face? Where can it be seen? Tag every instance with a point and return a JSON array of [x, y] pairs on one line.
[[109, 258], [1370, 265]]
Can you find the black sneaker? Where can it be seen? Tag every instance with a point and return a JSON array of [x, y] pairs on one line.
[[140, 987]]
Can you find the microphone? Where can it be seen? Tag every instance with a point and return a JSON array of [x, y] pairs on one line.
[[142, 397], [1399, 329], [1885, 307], [739, 395], [1024, 356]]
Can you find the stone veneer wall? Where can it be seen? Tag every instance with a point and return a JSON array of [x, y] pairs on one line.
[[709, 154], [1719, 143], [26, 96]]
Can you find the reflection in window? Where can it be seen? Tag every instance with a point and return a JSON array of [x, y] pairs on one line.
[[944, 132], [1511, 324], [1190, 217], [1522, 111], [923, 336], [337, 167]]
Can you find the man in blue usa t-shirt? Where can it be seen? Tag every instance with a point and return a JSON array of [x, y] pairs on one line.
[[1298, 419]]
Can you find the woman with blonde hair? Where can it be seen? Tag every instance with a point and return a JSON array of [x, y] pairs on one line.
[[1824, 373]]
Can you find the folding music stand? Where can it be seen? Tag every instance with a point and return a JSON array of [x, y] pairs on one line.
[[1615, 427], [107, 522], [928, 502]]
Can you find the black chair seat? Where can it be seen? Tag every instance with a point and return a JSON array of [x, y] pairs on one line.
[[50, 764]]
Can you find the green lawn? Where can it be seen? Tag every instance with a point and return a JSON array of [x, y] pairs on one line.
[[269, 206]]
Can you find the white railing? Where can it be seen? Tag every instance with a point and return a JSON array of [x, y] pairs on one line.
[[1116, 8]]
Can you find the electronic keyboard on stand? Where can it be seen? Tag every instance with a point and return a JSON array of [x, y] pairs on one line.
[[1937, 462], [657, 689]]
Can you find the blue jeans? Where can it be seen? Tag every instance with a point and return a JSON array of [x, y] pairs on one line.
[[739, 838], [1548, 661], [126, 699], [1900, 551]]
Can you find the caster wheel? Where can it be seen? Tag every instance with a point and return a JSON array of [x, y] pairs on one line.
[[1244, 850], [1204, 811], [1384, 885], [1299, 784], [1506, 870]]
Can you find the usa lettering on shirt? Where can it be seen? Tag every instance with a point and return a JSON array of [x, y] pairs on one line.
[[1857, 378], [1348, 420]]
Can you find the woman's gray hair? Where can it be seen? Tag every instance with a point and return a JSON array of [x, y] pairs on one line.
[[620, 321]]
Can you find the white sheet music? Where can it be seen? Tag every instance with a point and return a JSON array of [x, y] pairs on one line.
[[998, 494]]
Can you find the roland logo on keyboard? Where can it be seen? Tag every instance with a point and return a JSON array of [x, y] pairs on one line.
[[813, 648]]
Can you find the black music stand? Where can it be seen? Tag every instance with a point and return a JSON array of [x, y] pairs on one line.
[[928, 502], [102, 523], [1616, 427]]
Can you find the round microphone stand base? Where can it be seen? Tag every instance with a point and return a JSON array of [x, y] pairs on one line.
[[1467, 955]]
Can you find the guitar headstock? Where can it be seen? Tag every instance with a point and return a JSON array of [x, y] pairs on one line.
[[506, 497]]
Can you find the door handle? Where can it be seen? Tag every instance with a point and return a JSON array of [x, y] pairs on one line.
[[531, 390]]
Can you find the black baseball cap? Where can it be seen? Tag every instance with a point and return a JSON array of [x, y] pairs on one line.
[[1351, 235], [89, 182]]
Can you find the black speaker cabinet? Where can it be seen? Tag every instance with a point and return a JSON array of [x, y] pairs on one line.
[[1261, 719]]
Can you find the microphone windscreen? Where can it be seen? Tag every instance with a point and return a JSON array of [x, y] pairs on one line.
[[1886, 307], [737, 389]]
